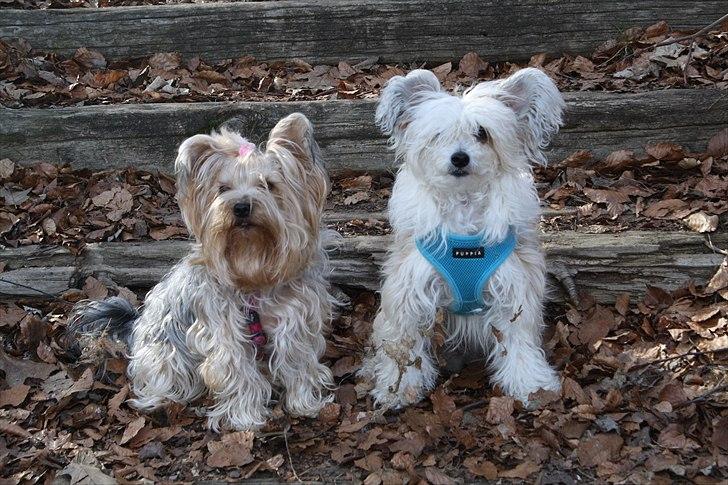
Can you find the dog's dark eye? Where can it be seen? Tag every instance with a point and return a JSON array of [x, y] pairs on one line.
[[270, 185], [222, 189], [482, 135]]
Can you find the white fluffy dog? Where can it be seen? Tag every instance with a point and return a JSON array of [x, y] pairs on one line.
[[466, 175], [254, 283]]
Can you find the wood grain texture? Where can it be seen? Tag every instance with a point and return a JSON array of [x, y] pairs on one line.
[[327, 31], [52, 270], [147, 136], [603, 264]]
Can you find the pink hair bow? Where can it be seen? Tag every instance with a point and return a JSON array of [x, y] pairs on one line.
[[245, 148]]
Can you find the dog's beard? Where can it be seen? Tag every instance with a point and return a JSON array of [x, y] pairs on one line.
[[255, 254]]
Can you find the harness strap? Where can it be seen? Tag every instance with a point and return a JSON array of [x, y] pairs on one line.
[[465, 263]]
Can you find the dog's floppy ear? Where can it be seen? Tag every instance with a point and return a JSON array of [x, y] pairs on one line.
[[295, 134], [399, 95], [199, 155], [536, 100], [198, 158]]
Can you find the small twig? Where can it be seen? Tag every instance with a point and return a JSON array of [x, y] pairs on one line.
[[613, 57], [21, 285], [702, 397], [700, 32], [675, 357], [709, 243], [720, 98], [474, 405], [288, 451]]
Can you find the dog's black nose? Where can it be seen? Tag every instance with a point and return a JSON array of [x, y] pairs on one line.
[[241, 210], [460, 159]]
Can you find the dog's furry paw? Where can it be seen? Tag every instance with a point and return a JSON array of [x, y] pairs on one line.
[[548, 382], [393, 391], [308, 406]]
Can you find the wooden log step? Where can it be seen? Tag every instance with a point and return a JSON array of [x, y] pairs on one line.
[[603, 264], [147, 135], [332, 30]]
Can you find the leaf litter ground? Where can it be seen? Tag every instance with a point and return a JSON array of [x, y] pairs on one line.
[[666, 188], [644, 399], [33, 78]]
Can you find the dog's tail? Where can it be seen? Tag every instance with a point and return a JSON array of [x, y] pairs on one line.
[[114, 316]]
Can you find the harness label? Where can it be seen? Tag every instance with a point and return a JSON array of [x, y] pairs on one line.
[[468, 253]]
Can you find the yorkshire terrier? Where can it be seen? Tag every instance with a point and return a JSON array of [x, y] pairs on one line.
[[254, 284], [464, 213]]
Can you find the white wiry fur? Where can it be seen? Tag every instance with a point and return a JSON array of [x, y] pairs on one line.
[[191, 337], [494, 192]]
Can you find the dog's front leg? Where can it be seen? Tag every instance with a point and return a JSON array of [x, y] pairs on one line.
[[517, 358], [239, 390], [401, 365], [301, 313]]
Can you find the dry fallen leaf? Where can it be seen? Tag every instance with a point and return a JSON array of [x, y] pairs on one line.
[[442, 71], [17, 371], [471, 64], [132, 429], [14, 396], [522, 470], [720, 433], [436, 477], [234, 449], [485, 468], [597, 326], [363, 182], [599, 449], [665, 208], [89, 58], [356, 198], [95, 289], [701, 222], [665, 151], [718, 144], [165, 61], [499, 409], [719, 279], [6, 168]]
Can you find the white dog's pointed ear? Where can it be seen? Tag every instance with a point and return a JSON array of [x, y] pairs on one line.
[[295, 134], [401, 93], [536, 100]]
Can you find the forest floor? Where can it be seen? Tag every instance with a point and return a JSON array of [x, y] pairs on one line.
[[645, 388]]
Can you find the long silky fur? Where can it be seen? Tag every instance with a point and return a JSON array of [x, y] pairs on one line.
[[191, 338], [426, 126], [114, 317]]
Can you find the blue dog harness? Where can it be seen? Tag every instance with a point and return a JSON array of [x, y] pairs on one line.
[[465, 263]]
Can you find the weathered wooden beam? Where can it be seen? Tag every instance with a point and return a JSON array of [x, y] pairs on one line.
[[147, 136], [603, 264], [52, 270], [327, 31]]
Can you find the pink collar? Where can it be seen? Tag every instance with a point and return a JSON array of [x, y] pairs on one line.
[[257, 334]]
